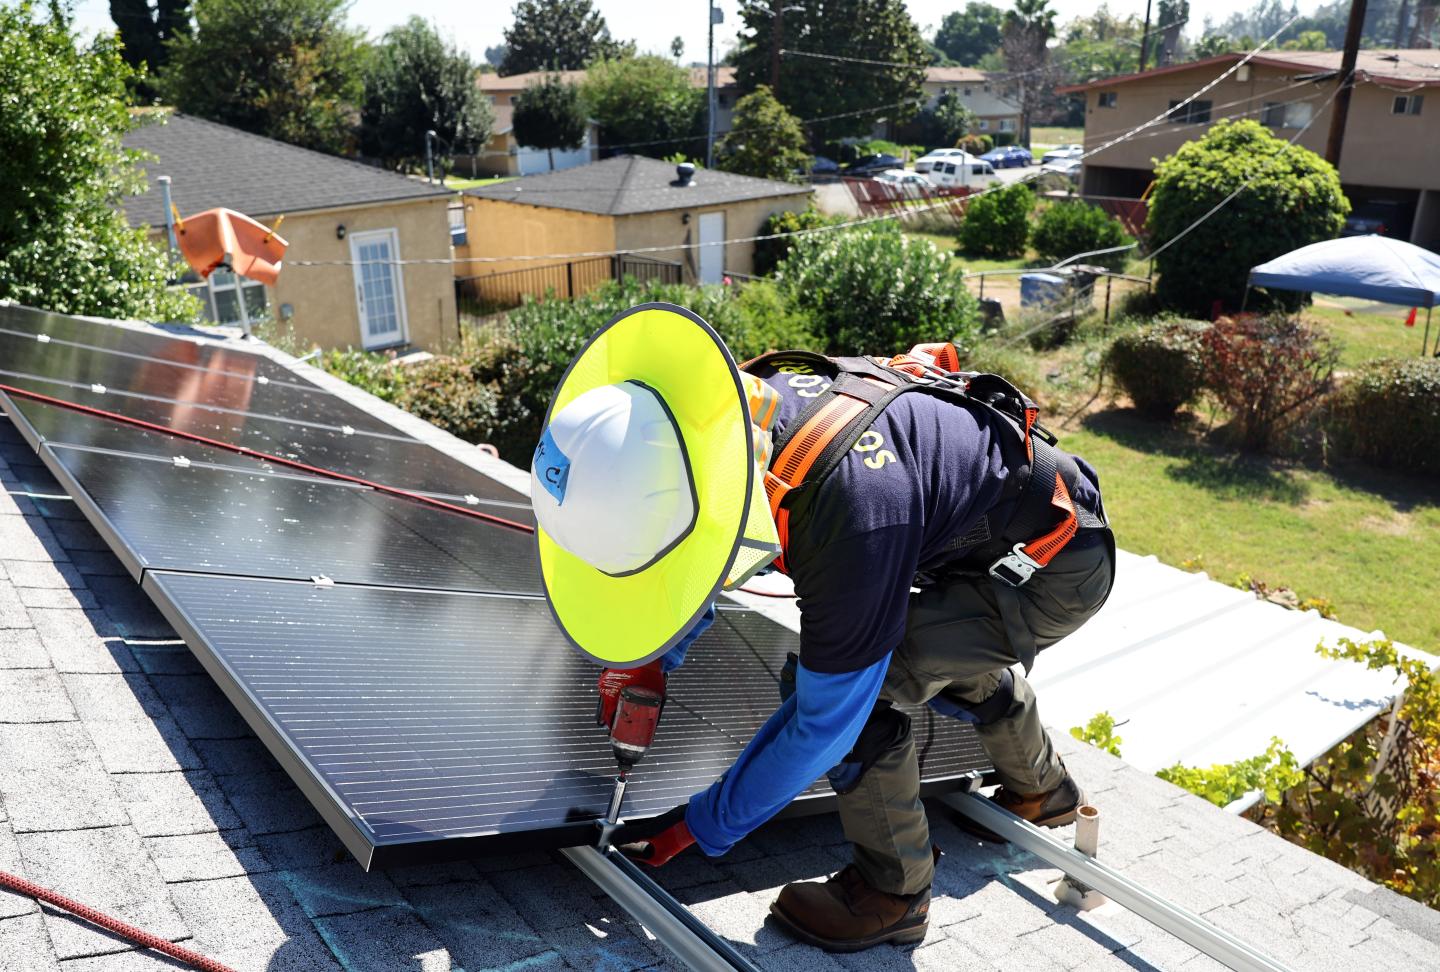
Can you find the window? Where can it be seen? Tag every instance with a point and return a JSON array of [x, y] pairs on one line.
[[1007, 124], [967, 92], [1195, 113], [220, 298], [984, 124], [456, 215], [949, 168], [1407, 104], [1107, 99], [1279, 115]]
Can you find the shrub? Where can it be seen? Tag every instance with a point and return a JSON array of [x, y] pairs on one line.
[[769, 253], [1159, 365], [1003, 139], [997, 224], [1268, 372], [1100, 733], [1292, 199], [1067, 228], [1272, 772], [874, 290], [446, 391], [1388, 413], [1015, 365], [976, 144], [374, 373]]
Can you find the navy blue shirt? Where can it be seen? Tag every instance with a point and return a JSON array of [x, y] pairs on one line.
[[912, 494]]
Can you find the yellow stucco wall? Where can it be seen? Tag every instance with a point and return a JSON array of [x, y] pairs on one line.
[[669, 229], [326, 311], [496, 228]]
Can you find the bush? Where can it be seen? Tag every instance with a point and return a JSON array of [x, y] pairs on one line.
[[1067, 228], [1003, 139], [997, 224], [1159, 365], [1292, 199], [447, 392], [976, 144], [1015, 365], [874, 290], [1388, 413], [1268, 372], [769, 253]]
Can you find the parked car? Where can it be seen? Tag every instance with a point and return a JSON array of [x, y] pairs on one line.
[[1010, 156], [820, 165], [905, 180], [927, 161], [1066, 167], [874, 164], [1063, 152], [963, 173]]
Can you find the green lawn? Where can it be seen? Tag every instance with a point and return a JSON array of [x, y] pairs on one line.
[[1044, 138], [1370, 330], [1364, 540]]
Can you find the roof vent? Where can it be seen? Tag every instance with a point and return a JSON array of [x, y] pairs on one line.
[[685, 174]]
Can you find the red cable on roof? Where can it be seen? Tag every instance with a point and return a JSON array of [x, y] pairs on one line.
[[138, 935], [265, 456]]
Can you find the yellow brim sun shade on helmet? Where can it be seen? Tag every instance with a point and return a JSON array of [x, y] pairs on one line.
[[628, 620]]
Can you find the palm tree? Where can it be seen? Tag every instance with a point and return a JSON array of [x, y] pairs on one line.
[[1024, 34]]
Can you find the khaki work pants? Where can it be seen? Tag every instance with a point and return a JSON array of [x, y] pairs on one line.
[[955, 645]]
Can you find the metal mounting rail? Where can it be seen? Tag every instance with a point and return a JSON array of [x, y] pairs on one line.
[[1189, 928], [668, 920]]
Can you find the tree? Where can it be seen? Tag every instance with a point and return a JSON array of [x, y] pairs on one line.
[[968, 35], [63, 245], [287, 69], [558, 35], [1292, 198], [1170, 20], [414, 83], [495, 56], [767, 141], [1025, 32], [1307, 40], [548, 115], [145, 30], [812, 87], [646, 103]]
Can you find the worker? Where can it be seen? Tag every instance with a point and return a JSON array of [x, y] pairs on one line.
[[665, 474]]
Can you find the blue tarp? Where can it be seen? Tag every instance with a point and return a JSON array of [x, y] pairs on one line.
[[1370, 267]]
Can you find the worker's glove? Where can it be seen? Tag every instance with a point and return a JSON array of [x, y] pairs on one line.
[[655, 841], [615, 680]]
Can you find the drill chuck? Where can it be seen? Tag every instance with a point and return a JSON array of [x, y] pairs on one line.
[[636, 716]]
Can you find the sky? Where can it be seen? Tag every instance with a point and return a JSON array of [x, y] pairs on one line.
[[478, 25]]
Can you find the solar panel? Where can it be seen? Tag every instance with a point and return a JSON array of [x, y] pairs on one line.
[[423, 717], [397, 659]]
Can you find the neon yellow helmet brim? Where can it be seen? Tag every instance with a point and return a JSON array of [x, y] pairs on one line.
[[622, 621]]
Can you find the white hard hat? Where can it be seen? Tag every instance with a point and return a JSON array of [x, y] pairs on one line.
[[610, 481]]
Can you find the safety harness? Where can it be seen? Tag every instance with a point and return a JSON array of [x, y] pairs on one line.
[[1042, 479]]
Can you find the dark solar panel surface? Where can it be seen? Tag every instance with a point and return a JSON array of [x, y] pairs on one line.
[[443, 715], [176, 349], [263, 525], [416, 712], [398, 460]]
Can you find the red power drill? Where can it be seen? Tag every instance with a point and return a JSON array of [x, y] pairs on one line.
[[637, 713]]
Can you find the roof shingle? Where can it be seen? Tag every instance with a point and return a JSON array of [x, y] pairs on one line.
[[630, 184], [214, 165]]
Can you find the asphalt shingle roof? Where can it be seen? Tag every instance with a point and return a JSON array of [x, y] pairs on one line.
[[630, 184], [128, 781], [215, 165]]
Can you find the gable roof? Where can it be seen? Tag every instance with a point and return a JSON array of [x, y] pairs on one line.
[[215, 165], [519, 82], [1392, 65], [629, 184], [951, 75]]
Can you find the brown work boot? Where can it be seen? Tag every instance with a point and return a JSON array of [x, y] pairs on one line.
[[845, 914], [1054, 808]]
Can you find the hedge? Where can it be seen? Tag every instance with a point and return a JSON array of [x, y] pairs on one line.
[[1388, 413], [1159, 365]]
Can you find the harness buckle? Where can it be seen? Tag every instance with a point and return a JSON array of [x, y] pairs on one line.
[[1015, 568]]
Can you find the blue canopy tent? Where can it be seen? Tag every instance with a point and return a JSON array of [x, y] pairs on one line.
[[1370, 267]]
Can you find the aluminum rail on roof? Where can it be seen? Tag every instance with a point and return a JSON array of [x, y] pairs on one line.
[[1217, 943], [668, 920]]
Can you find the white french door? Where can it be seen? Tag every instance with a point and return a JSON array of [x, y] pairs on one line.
[[379, 290], [712, 258]]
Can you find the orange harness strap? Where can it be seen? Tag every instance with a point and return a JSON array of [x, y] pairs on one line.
[[794, 461]]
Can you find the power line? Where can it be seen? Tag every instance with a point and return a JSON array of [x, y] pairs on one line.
[[909, 211]]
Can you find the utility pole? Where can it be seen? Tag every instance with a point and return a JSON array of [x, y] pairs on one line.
[[1401, 22], [1336, 141], [1145, 37], [429, 157], [715, 15], [777, 31]]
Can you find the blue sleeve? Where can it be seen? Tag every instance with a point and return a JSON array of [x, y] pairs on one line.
[[805, 737], [675, 657]]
